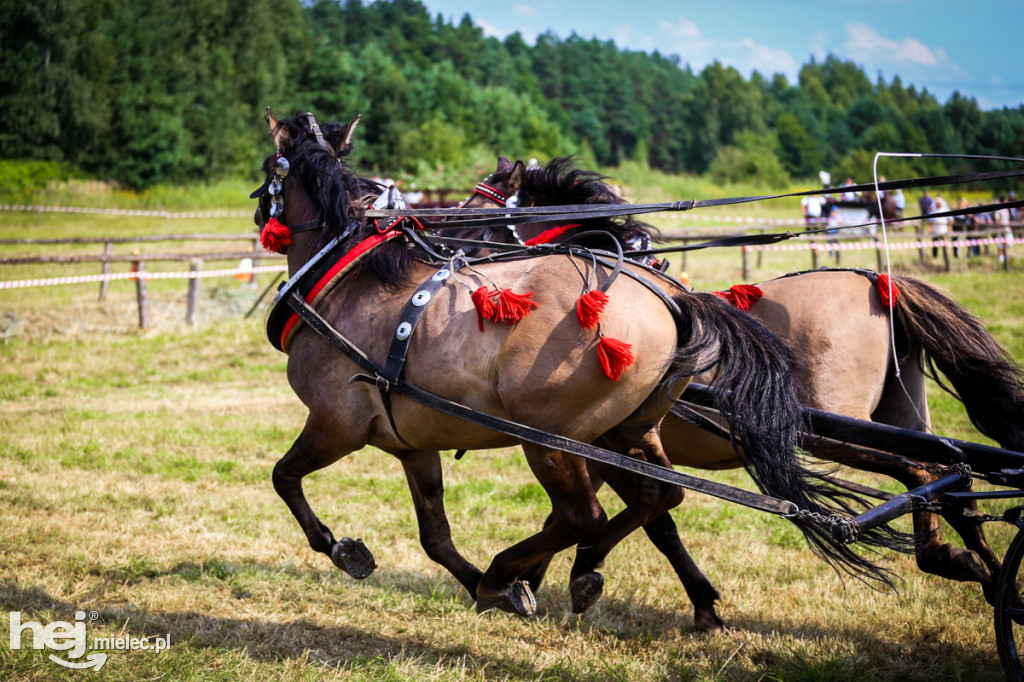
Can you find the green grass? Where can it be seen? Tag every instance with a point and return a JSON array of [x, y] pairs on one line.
[[135, 482]]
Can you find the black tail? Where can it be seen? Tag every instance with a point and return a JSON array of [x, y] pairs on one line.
[[756, 391], [957, 345]]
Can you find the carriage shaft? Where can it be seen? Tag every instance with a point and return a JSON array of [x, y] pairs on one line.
[[909, 501]]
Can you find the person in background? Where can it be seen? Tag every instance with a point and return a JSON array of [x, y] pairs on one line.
[[927, 205], [1001, 216], [1014, 211], [900, 200], [962, 226], [811, 208], [848, 196], [939, 227]]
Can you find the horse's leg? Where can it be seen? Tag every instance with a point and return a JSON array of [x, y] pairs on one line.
[[576, 516], [664, 534], [648, 500], [311, 452], [423, 472], [534, 575], [975, 561]]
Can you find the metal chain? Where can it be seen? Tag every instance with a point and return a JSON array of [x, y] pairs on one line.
[[847, 527]]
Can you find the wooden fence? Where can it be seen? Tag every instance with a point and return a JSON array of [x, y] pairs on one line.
[[819, 247]]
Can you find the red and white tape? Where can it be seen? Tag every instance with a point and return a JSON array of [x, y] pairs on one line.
[[746, 220], [85, 279], [125, 211], [861, 246]]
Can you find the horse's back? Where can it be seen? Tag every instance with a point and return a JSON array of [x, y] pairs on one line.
[[838, 329]]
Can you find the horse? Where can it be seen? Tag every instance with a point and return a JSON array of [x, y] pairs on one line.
[[890, 211], [539, 367], [837, 323]]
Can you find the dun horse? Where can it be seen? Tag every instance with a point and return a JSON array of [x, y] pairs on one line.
[[838, 325], [541, 369]]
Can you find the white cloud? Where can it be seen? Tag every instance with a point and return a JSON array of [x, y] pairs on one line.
[[626, 36], [769, 60], [865, 44], [680, 29], [489, 30], [745, 54], [525, 11], [911, 50]]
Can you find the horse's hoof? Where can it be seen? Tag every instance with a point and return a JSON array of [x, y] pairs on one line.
[[353, 557], [969, 566], [707, 621], [518, 600], [585, 590]]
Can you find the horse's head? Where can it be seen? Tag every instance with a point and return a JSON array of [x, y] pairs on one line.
[[309, 195], [558, 183]]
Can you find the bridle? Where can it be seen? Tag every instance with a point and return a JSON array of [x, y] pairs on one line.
[[502, 200], [271, 193]]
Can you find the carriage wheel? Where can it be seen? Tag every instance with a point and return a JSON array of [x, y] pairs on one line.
[[1008, 610]]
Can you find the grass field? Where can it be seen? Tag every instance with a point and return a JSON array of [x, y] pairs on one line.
[[135, 484]]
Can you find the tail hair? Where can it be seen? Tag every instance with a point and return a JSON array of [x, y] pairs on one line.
[[755, 390], [955, 344]]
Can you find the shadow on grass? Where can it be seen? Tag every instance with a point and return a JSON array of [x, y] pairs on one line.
[[355, 648]]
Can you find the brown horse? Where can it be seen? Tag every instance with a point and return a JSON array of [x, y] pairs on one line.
[[839, 329], [890, 211], [542, 371]]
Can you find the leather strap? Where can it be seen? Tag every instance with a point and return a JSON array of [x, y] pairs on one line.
[[410, 317], [531, 435]]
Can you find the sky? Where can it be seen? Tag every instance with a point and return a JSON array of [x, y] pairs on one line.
[[976, 48]]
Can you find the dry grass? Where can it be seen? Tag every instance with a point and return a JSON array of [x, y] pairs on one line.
[[134, 482]]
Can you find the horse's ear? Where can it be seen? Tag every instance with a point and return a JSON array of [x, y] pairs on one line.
[[516, 177], [345, 145], [503, 164], [278, 133]]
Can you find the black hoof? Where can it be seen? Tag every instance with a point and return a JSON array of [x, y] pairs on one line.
[[518, 600], [353, 557], [585, 590], [707, 622]]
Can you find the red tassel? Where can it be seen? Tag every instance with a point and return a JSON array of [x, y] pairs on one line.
[[548, 236], [615, 356], [485, 308], [512, 307], [743, 296], [275, 236], [589, 307], [884, 282]]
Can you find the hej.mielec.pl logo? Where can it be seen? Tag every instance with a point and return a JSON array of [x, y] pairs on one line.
[[72, 638]]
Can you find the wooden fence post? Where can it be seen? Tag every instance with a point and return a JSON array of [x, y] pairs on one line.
[[881, 257], [254, 281], [139, 267], [194, 266], [745, 250], [814, 255], [105, 284]]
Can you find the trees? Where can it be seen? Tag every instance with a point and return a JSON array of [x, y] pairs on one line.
[[173, 90]]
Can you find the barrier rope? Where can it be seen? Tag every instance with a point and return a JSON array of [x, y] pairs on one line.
[[125, 211], [85, 279]]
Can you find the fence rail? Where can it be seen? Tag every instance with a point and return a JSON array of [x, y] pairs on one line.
[[829, 245]]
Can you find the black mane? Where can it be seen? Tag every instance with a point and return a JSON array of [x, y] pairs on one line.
[[560, 183]]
